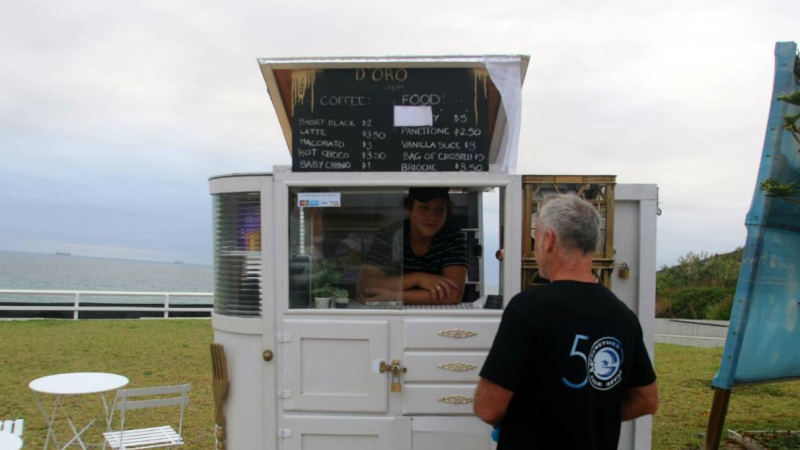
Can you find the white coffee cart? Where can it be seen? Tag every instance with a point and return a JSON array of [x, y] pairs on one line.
[[349, 375]]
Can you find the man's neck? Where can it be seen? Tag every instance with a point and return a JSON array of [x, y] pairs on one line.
[[574, 267]]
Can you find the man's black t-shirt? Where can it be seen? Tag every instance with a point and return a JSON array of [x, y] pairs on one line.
[[568, 351]]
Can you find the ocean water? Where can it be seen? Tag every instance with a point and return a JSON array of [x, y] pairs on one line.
[[35, 271]]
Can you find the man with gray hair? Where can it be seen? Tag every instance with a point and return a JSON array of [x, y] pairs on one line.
[[568, 363]]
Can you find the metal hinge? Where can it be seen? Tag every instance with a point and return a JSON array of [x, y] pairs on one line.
[[284, 338], [284, 433], [284, 393]]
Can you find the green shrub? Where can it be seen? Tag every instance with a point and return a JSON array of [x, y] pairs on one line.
[[720, 310], [716, 277], [695, 302]]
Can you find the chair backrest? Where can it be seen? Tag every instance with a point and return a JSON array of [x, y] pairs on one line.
[[130, 399], [12, 426]]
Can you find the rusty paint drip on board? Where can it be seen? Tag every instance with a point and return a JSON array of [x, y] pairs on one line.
[[481, 76], [302, 82]]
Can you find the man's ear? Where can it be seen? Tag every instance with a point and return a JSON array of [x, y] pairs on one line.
[[549, 241]]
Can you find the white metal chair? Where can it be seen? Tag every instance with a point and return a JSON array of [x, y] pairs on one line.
[[164, 436], [12, 426]]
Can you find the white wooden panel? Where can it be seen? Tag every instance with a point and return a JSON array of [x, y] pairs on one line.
[[322, 361], [439, 424], [460, 441], [249, 403], [338, 442], [430, 399], [270, 369], [443, 367], [347, 433], [462, 433], [433, 334], [331, 365], [635, 243]]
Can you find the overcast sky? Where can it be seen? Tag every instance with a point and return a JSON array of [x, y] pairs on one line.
[[114, 114]]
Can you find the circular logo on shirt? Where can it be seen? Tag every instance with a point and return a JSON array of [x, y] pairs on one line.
[[605, 363]]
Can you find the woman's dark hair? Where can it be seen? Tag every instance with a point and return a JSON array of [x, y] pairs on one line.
[[425, 194]]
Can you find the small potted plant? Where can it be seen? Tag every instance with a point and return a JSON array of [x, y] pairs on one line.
[[325, 279], [322, 297], [340, 298]]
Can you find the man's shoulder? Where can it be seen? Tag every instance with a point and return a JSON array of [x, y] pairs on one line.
[[558, 289], [548, 296], [581, 288], [534, 298], [592, 299]]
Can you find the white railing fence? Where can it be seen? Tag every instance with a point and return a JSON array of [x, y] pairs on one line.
[[76, 307]]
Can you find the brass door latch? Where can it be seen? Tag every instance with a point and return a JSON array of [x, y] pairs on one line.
[[396, 370]]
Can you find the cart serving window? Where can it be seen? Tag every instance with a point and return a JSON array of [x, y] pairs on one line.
[[362, 247]]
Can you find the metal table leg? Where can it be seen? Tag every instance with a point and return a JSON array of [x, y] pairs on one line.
[[58, 406], [50, 419], [76, 434]]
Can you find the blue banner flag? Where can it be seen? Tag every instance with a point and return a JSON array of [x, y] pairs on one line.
[[763, 341]]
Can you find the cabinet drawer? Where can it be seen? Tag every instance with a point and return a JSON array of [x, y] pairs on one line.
[[341, 432], [443, 367], [439, 432], [438, 399], [432, 334]]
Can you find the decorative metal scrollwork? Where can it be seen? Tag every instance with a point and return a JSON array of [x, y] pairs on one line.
[[457, 333], [456, 399], [457, 367]]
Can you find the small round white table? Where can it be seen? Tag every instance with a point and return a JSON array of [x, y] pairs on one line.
[[80, 383], [9, 441]]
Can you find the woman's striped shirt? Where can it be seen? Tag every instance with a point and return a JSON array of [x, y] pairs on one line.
[[448, 248]]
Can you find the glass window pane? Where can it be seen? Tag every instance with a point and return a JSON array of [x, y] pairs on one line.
[[331, 231], [237, 254]]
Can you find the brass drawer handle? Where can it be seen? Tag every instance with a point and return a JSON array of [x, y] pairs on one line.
[[457, 333], [457, 367], [456, 399]]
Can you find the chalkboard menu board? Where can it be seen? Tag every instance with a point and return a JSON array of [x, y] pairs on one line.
[[398, 120]]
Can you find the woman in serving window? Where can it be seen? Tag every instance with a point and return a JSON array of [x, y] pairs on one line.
[[421, 261]]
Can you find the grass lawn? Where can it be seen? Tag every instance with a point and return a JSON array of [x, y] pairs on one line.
[[147, 352], [684, 377], [162, 352]]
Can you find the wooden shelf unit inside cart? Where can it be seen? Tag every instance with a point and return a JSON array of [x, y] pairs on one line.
[[596, 189]]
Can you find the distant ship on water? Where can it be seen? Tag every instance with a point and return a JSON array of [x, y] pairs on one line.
[[178, 262], [63, 254]]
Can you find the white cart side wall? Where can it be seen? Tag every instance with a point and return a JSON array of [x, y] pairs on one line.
[[512, 240], [249, 409], [269, 421], [245, 407], [635, 244]]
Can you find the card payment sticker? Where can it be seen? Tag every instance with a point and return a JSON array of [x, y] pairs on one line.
[[319, 199]]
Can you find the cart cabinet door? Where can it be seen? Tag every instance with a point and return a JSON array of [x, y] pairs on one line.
[[332, 366], [346, 433]]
